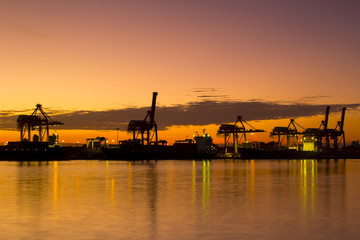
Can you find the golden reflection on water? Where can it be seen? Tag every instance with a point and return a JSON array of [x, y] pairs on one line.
[[129, 181], [55, 185], [308, 172], [152, 199], [112, 190], [110, 183], [314, 169], [303, 183], [193, 196], [252, 181], [206, 188]]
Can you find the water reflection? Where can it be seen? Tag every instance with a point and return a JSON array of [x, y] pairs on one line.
[[32, 186], [55, 186], [217, 199], [251, 168], [129, 181], [152, 181], [206, 174], [193, 196], [313, 171]]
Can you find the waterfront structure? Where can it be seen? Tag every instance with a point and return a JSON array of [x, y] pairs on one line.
[[291, 134], [238, 133], [39, 121], [141, 127]]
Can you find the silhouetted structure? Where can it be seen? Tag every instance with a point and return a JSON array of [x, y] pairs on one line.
[[96, 143], [324, 131], [320, 139], [332, 135], [232, 129], [290, 132], [340, 134], [139, 127], [27, 123]]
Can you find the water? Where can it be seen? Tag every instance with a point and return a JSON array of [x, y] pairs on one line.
[[217, 199]]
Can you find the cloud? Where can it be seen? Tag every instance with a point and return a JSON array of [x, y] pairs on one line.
[[14, 112], [212, 96], [312, 98], [193, 113], [205, 90], [210, 112]]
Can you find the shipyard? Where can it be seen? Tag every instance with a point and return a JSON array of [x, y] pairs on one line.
[[290, 142], [179, 120]]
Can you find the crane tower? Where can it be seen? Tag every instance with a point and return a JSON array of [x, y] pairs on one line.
[[38, 120], [290, 132], [237, 132], [141, 127]]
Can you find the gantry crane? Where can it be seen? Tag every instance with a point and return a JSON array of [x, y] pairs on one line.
[[324, 131], [232, 129], [333, 135], [290, 132], [337, 134], [339, 130], [141, 127], [324, 135], [36, 121]]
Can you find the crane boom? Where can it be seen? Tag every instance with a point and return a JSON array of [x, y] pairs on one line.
[[152, 111], [342, 119]]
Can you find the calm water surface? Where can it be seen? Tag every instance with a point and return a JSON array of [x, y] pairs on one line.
[[217, 199]]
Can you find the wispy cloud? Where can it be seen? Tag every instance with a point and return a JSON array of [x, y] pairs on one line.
[[194, 113], [210, 94], [9, 113], [205, 90], [312, 98]]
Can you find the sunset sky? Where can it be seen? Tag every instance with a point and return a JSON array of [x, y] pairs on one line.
[[94, 64]]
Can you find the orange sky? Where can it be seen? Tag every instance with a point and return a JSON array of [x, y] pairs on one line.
[[101, 55]]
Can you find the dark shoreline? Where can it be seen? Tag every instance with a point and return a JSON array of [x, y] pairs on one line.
[[81, 153]]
